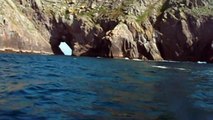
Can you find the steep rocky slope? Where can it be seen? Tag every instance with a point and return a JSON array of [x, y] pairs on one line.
[[186, 30], [144, 29], [17, 31]]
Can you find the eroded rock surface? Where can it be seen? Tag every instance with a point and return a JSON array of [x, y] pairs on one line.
[[144, 29], [18, 33], [186, 33], [120, 42]]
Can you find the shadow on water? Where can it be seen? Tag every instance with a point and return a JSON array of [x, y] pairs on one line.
[[49, 87]]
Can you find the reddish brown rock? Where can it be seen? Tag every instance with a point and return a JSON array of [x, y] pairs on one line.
[[121, 43], [186, 37]]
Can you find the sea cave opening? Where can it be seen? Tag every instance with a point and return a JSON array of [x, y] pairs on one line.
[[61, 47], [65, 48]]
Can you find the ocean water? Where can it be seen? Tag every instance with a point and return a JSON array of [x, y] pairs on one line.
[[35, 87]]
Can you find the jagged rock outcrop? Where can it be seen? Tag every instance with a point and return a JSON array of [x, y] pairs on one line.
[[144, 29], [120, 42], [185, 35]]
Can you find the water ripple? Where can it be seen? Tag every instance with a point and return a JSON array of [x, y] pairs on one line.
[[56, 87]]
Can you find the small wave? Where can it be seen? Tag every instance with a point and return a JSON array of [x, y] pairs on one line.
[[53, 75], [183, 69], [4, 60], [169, 61], [162, 67], [201, 62], [137, 59]]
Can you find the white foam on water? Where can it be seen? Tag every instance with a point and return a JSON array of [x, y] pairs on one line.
[[164, 67], [137, 59], [183, 69], [170, 61], [201, 62], [161, 67]]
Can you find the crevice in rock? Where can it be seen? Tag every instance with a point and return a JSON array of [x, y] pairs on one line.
[[55, 47], [207, 53], [108, 24]]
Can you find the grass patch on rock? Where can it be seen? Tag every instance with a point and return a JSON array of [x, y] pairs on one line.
[[202, 11]]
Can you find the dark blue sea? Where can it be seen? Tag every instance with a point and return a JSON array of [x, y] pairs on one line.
[[36, 87]]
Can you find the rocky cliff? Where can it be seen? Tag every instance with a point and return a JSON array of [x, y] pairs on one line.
[[142, 29], [18, 33]]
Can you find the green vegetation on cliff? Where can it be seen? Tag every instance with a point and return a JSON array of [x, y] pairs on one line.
[[202, 11]]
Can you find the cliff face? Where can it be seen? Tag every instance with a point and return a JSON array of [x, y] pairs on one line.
[[18, 33], [144, 29], [185, 28]]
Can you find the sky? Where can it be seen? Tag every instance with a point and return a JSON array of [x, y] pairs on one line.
[[65, 48]]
